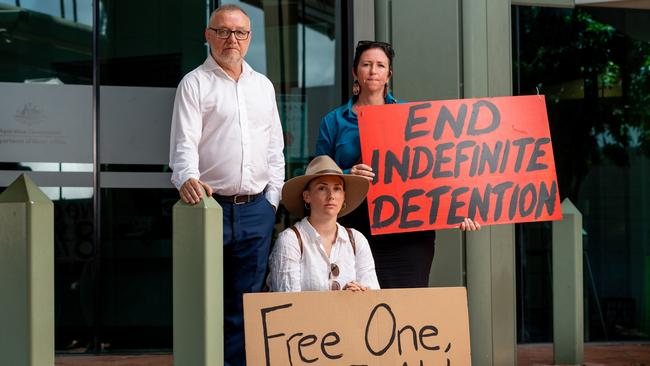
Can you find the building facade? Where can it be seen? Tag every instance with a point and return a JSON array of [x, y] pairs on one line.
[[86, 96]]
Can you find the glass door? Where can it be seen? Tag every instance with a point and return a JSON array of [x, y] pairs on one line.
[[593, 66]]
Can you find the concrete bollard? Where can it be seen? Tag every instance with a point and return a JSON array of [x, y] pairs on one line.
[[26, 275], [568, 312], [491, 295], [198, 283]]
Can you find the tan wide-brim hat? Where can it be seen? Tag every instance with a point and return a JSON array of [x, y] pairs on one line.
[[356, 187]]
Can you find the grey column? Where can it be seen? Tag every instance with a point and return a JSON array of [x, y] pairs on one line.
[[426, 38], [383, 20], [434, 62], [491, 286], [26, 275], [363, 13]]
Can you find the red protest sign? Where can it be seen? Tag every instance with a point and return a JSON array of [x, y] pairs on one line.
[[438, 162]]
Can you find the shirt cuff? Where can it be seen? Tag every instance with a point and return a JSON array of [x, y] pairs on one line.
[[179, 179], [273, 197]]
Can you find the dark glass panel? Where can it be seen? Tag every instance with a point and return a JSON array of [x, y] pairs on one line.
[[593, 66], [137, 268], [151, 42], [38, 44]]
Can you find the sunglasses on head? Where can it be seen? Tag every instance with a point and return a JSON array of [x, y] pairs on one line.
[[371, 44]]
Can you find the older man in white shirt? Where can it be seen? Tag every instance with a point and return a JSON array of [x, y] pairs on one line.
[[226, 138]]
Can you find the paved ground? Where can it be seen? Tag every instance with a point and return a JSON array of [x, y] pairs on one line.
[[595, 354], [528, 355], [148, 360]]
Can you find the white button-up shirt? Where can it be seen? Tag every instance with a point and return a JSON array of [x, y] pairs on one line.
[[227, 133], [310, 271]]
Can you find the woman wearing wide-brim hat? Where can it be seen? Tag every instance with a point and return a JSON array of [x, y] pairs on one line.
[[318, 254]]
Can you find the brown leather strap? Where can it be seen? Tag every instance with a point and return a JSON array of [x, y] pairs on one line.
[[354, 246], [350, 234], [295, 230]]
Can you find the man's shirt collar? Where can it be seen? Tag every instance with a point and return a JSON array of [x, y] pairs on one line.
[[211, 65]]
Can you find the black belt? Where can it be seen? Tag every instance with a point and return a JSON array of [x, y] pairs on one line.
[[237, 199]]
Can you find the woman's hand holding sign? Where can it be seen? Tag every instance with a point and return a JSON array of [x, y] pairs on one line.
[[355, 286], [362, 170], [469, 225]]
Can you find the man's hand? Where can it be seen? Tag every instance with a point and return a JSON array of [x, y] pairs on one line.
[[191, 191]]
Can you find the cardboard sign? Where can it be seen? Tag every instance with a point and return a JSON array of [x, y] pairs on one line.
[[438, 162], [419, 327]]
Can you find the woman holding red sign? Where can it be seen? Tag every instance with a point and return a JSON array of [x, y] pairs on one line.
[[401, 260]]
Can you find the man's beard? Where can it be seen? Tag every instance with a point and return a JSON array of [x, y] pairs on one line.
[[229, 58]]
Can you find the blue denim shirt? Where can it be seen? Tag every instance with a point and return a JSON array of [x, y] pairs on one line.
[[339, 135]]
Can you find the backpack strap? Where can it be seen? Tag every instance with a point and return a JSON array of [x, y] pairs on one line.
[[351, 235], [295, 230]]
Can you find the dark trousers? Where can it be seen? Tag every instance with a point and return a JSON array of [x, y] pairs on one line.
[[247, 231], [401, 260]]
